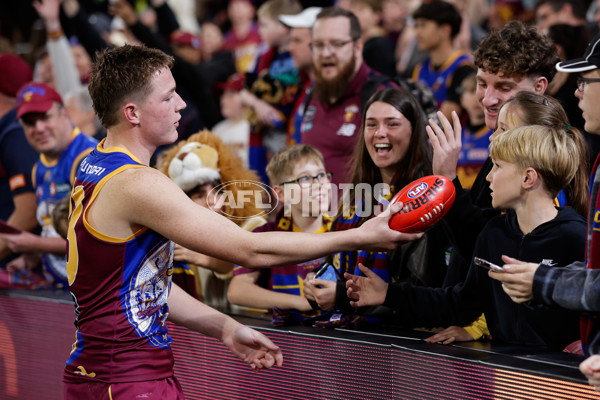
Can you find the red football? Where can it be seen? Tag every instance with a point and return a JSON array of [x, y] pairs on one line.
[[426, 200]]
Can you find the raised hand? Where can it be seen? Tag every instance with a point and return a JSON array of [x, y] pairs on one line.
[[446, 144]]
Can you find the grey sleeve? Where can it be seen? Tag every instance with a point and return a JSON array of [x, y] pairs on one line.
[[573, 287]]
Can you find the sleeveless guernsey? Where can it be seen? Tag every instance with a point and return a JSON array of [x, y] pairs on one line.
[[119, 287]]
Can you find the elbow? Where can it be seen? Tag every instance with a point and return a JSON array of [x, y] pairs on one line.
[[258, 260]]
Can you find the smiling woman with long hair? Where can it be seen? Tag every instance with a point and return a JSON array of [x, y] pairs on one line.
[[391, 152]]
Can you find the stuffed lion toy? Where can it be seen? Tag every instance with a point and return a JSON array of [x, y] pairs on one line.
[[204, 158]]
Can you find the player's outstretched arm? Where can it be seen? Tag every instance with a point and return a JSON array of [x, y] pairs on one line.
[[251, 346], [146, 198]]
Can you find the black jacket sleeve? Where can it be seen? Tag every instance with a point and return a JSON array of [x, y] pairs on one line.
[[418, 306]]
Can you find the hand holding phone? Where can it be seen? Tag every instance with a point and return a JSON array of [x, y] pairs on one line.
[[327, 272], [487, 265]]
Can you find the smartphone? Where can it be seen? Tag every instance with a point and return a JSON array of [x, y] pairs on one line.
[[487, 265], [327, 272]]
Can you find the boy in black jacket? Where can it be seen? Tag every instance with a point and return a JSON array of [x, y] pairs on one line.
[[529, 170]]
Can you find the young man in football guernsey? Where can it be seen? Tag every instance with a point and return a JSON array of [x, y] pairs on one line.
[[124, 218]]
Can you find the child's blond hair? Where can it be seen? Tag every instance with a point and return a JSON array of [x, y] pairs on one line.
[[281, 167], [551, 152]]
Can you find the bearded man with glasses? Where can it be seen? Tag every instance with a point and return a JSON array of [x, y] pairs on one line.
[[332, 115]]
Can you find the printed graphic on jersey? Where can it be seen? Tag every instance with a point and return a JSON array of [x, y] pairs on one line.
[[147, 298]]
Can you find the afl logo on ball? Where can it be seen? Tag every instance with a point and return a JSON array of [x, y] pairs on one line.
[[417, 190]]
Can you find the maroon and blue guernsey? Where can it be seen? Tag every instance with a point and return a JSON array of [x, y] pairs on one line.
[[119, 287]]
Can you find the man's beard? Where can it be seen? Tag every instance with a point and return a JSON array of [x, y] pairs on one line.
[[329, 91]]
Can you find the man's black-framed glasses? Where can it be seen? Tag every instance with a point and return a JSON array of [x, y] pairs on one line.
[[581, 82], [307, 180], [333, 46]]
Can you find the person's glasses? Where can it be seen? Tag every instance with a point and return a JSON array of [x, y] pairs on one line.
[[333, 46], [581, 81], [307, 180]]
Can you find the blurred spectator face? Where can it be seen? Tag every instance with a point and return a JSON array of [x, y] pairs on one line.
[[367, 17], [148, 17], [299, 48], [429, 34], [334, 51], [393, 14], [502, 11], [212, 38], [205, 196], [78, 115], [231, 105], [43, 71], [83, 62], [545, 16], [469, 102], [240, 11], [271, 32]]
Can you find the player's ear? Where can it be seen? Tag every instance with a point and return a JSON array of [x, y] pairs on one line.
[[530, 178], [131, 113]]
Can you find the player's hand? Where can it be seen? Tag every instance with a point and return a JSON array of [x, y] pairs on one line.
[[368, 290], [451, 334], [446, 142], [377, 234], [517, 279], [254, 348]]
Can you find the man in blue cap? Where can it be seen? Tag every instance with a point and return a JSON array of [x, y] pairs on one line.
[[61, 147]]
